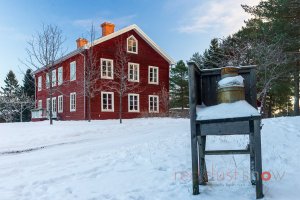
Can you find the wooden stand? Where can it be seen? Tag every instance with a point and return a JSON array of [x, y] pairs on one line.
[[202, 88]]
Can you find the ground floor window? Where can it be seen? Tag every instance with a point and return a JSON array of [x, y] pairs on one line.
[[133, 103], [60, 104], [40, 104], [73, 102], [54, 105], [107, 101], [48, 105], [153, 104]]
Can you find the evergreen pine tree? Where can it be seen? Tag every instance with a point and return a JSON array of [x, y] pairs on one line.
[[28, 90], [10, 93], [28, 84], [197, 58], [179, 85], [11, 87], [214, 56]]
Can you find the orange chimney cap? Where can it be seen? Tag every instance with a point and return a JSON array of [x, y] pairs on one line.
[[107, 28], [81, 42]]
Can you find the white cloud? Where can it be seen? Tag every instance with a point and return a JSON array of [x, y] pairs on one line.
[[218, 16]]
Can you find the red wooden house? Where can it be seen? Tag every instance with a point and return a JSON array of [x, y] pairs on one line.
[[148, 67]]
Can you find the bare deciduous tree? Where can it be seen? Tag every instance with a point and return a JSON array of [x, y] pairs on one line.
[[43, 50], [121, 84], [164, 99]]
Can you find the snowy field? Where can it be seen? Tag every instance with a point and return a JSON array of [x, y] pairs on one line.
[[140, 159]]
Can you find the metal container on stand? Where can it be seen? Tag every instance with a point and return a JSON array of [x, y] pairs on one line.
[[231, 93]]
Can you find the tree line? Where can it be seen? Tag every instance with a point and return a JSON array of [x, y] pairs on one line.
[[269, 40], [16, 101]]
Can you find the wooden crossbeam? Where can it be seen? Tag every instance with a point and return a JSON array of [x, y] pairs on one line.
[[226, 152]]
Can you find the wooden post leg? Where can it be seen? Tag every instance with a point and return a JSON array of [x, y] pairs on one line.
[[203, 173], [252, 155], [258, 159], [194, 161]]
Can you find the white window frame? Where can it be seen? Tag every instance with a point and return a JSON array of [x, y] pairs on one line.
[[47, 81], [60, 75], [54, 105], [138, 102], [112, 102], [73, 71], [40, 83], [149, 72], [40, 104], [101, 68], [72, 109], [54, 77], [133, 74], [60, 104], [149, 104], [136, 41]]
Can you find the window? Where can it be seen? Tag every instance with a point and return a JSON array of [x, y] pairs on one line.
[[54, 105], [60, 75], [133, 72], [153, 104], [107, 68], [107, 101], [40, 104], [39, 83], [48, 105], [47, 80], [60, 104], [133, 103], [132, 45], [54, 77], [73, 71], [153, 75], [73, 102]]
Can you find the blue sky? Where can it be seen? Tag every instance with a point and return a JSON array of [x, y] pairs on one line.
[[180, 27]]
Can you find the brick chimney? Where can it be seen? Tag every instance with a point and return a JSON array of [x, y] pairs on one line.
[[107, 28], [81, 42]]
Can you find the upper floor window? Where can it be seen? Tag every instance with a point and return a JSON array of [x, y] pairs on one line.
[[153, 75], [47, 80], [54, 77], [73, 102], [107, 101], [60, 75], [73, 71], [133, 72], [39, 83], [107, 68], [133, 103], [132, 45]]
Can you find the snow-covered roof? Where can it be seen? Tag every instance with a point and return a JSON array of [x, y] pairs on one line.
[[134, 27]]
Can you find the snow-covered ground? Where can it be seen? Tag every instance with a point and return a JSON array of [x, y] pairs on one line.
[[140, 159]]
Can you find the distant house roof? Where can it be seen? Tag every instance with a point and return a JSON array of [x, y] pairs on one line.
[[113, 35]]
